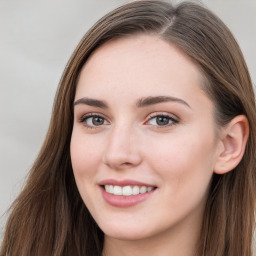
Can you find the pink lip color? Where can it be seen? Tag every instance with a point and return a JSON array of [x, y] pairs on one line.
[[124, 201]]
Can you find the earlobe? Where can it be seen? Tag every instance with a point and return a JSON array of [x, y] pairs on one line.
[[233, 140]]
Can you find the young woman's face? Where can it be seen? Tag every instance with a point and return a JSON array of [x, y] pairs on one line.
[[144, 141]]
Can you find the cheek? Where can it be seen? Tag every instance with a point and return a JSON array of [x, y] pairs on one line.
[[84, 158], [185, 163]]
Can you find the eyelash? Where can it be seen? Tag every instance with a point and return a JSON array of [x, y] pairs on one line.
[[85, 118], [172, 120]]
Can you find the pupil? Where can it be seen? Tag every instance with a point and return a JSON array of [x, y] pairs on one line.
[[162, 120], [97, 120]]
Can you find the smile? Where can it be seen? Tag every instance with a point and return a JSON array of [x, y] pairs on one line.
[[127, 190], [126, 193]]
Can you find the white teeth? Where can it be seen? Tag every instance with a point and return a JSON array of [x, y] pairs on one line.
[[135, 190], [143, 189], [127, 190], [107, 188], [149, 189], [117, 191], [111, 189]]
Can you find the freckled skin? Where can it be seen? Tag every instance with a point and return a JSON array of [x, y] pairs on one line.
[[178, 158]]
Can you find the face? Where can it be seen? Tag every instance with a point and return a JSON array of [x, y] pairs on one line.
[[144, 140]]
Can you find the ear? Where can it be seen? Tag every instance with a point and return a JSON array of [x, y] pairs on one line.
[[233, 141]]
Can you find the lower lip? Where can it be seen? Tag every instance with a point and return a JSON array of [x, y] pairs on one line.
[[125, 201]]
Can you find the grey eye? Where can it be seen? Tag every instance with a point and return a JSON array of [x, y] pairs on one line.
[[97, 120], [94, 121], [161, 120]]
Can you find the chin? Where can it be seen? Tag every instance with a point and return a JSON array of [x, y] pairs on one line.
[[127, 236], [125, 232]]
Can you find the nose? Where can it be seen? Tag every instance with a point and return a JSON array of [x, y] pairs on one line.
[[122, 150]]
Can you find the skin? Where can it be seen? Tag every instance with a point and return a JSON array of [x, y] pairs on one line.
[[177, 158]]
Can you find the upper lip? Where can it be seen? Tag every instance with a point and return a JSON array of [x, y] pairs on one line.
[[125, 182]]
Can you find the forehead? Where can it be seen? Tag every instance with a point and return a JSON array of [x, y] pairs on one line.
[[136, 48], [136, 65]]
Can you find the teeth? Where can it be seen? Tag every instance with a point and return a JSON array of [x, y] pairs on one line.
[[111, 189], [127, 190], [143, 189], [118, 191], [149, 189], [135, 190]]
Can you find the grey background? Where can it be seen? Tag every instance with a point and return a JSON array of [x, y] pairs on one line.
[[36, 41]]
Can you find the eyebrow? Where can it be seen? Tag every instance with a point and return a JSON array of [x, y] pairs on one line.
[[91, 102], [143, 102]]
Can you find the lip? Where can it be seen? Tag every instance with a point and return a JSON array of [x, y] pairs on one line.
[[124, 201]]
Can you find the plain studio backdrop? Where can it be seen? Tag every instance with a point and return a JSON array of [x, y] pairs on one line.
[[36, 40]]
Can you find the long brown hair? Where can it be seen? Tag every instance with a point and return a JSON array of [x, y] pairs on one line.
[[49, 216]]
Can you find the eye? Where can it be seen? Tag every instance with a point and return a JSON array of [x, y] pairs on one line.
[[93, 120], [162, 120]]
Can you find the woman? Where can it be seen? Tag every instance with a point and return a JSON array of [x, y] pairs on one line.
[[151, 145]]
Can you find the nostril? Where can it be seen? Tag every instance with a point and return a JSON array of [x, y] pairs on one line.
[[121, 159]]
